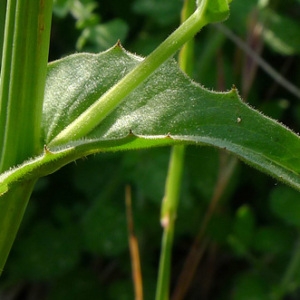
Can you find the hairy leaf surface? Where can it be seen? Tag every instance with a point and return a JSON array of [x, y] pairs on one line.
[[166, 109]]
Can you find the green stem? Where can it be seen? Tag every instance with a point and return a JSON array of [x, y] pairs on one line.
[[89, 119], [168, 216], [173, 183], [23, 76], [12, 208], [186, 54]]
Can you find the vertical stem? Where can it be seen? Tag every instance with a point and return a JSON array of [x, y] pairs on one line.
[[23, 75], [173, 183], [168, 216], [12, 208], [186, 55]]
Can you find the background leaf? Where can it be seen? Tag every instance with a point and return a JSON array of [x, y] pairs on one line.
[[162, 12], [281, 33]]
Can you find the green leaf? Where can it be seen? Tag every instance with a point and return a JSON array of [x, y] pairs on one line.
[[102, 36], [166, 109], [62, 7], [281, 33], [166, 105], [162, 12]]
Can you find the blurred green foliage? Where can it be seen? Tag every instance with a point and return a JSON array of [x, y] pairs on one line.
[[73, 243]]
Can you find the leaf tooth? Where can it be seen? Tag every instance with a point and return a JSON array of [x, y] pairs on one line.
[[118, 45], [47, 151]]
